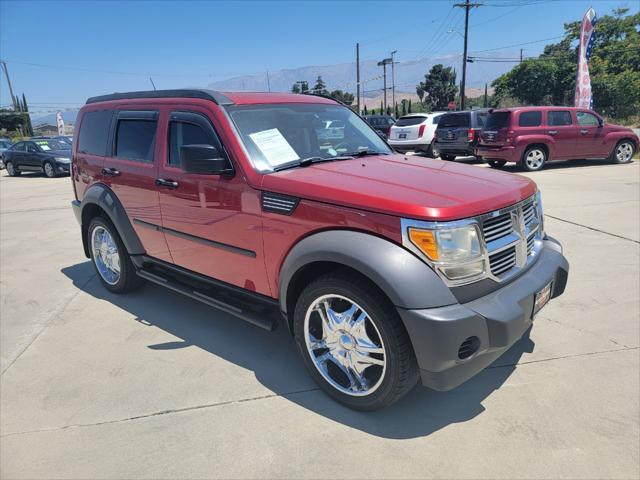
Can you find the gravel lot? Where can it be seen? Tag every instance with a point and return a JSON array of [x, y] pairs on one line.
[[155, 385]]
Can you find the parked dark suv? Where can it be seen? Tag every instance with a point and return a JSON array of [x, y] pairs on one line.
[[458, 132], [381, 123], [385, 268], [47, 155], [533, 136]]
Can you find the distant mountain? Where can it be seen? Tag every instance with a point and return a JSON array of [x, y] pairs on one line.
[[68, 115], [342, 76]]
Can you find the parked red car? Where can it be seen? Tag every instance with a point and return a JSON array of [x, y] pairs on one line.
[[533, 136], [385, 268]]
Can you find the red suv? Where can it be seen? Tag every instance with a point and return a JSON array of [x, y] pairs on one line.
[[532, 136], [385, 268]]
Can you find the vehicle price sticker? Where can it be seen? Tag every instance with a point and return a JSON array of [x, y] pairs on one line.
[[274, 147]]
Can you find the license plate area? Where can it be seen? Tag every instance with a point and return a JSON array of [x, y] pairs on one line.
[[542, 298], [402, 136]]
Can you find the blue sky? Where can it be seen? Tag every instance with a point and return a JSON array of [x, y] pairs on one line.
[[79, 49]]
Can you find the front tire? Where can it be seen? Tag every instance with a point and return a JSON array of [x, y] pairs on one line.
[[110, 257], [534, 159], [623, 153], [353, 342], [49, 170], [11, 170]]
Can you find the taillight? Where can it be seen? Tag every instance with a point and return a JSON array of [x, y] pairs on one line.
[[471, 135], [421, 131], [510, 136]]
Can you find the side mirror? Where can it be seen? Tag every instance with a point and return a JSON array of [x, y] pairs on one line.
[[600, 123], [205, 160]]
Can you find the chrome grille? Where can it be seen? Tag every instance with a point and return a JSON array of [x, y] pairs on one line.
[[509, 237], [502, 261], [497, 227]]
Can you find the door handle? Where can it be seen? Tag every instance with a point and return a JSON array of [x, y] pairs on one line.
[[111, 172], [584, 132], [552, 132], [161, 182]]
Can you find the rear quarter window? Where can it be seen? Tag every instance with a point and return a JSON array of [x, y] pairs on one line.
[[94, 132], [559, 118], [530, 119], [497, 120]]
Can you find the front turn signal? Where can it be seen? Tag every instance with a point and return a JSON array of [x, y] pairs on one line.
[[425, 241]]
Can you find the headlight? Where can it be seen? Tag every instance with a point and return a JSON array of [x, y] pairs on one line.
[[63, 160], [454, 251]]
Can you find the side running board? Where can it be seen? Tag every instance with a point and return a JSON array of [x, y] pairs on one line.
[[261, 311]]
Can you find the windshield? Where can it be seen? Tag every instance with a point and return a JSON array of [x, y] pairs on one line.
[[497, 120], [52, 144], [278, 134]]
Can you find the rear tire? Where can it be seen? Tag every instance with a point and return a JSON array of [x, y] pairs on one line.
[[339, 320], [496, 163], [11, 169], [110, 257], [433, 151], [534, 158], [623, 153]]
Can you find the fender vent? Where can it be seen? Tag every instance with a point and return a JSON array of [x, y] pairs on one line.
[[277, 203], [468, 347]]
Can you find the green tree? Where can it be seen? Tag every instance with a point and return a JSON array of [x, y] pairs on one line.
[[403, 103], [365, 110], [344, 97], [614, 67], [300, 87], [438, 88], [396, 112], [320, 88], [409, 107]]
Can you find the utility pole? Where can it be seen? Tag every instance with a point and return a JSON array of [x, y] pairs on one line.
[[486, 98], [268, 82], [383, 64], [393, 80], [467, 6], [521, 55], [6, 74], [358, 77]]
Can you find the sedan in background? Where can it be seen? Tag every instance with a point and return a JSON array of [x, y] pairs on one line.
[[4, 145], [415, 132], [47, 155]]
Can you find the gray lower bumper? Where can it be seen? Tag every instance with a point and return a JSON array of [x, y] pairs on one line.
[[498, 320], [77, 210]]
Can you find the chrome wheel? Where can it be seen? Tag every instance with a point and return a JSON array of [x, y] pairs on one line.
[[535, 159], [434, 151], [105, 255], [48, 170], [624, 152], [345, 345]]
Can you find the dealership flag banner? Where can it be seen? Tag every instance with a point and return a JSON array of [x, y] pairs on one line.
[[583, 80], [60, 123]]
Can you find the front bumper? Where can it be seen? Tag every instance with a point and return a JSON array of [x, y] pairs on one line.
[[496, 320], [62, 167]]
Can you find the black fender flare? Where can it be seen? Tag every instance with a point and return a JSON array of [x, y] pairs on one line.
[[102, 196], [406, 280]]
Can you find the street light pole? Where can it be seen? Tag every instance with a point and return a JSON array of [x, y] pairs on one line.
[[13, 98], [393, 80], [383, 64]]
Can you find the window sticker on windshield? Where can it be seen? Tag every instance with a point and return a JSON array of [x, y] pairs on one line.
[[44, 146], [274, 147]]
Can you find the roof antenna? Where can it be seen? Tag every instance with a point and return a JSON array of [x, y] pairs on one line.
[[154, 85]]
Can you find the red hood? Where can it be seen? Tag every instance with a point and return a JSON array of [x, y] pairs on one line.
[[412, 187]]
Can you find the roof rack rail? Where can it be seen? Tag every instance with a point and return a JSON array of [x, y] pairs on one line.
[[212, 95]]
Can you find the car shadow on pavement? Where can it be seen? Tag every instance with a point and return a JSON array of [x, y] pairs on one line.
[[273, 358]]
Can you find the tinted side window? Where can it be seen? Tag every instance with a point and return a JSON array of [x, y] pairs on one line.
[[559, 118], [94, 132], [530, 119], [182, 133], [31, 147], [436, 119], [19, 147], [587, 119], [481, 118], [135, 139]]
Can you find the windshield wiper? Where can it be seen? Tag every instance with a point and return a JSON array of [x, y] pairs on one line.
[[364, 153], [305, 162]]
